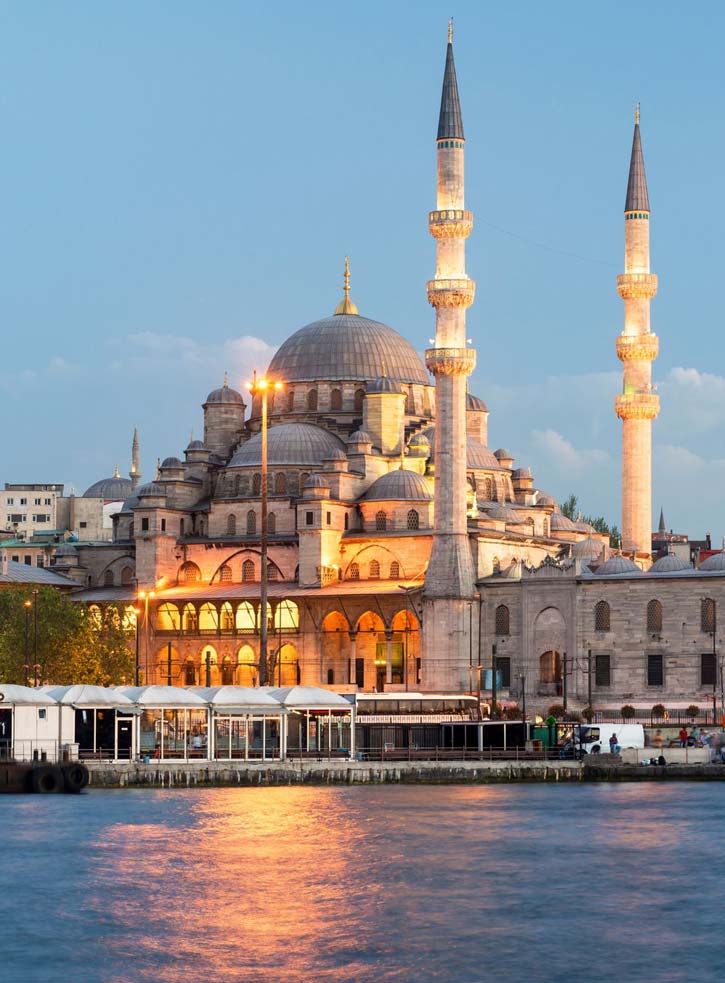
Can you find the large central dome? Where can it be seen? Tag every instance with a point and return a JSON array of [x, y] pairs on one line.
[[347, 347]]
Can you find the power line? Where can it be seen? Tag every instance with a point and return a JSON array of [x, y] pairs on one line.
[[545, 246]]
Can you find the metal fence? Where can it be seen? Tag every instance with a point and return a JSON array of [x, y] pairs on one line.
[[674, 718]]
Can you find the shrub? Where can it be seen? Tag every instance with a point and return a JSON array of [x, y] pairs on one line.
[[588, 714], [513, 713], [693, 711], [627, 711], [573, 715], [658, 710], [557, 710]]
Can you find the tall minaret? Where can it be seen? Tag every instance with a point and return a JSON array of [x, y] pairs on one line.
[[637, 348], [449, 582], [134, 474]]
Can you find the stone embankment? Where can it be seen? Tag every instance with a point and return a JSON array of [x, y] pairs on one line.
[[225, 774]]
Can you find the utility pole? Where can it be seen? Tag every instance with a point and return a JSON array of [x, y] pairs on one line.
[[563, 686], [168, 664], [589, 679], [494, 712]]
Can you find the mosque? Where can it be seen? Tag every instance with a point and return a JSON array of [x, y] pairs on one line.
[[401, 552]]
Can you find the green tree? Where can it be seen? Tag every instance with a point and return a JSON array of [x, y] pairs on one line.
[[568, 507], [600, 524], [63, 642]]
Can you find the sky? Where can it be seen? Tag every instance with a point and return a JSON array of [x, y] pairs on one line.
[[181, 181]]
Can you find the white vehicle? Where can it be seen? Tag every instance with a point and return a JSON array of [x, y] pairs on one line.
[[594, 738]]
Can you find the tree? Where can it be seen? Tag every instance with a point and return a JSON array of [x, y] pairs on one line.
[[568, 507], [63, 642], [598, 522]]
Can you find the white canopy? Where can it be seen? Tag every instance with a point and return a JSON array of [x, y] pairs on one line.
[[162, 696], [312, 697], [239, 698], [90, 696], [11, 694]]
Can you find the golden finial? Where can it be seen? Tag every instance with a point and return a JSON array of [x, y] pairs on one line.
[[346, 306], [116, 472], [450, 30], [636, 115]]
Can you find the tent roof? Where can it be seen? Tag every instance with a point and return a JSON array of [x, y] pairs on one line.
[[13, 694], [309, 696], [162, 696], [90, 696], [238, 697]]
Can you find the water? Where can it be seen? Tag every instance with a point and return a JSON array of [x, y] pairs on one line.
[[446, 883]]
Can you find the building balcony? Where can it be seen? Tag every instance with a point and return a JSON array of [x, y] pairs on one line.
[[637, 285], [451, 293], [637, 405], [450, 361], [643, 348], [450, 223]]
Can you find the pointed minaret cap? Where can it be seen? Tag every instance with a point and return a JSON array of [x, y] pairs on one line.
[[662, 530], [346, 306], [450, 121], [637, 198]]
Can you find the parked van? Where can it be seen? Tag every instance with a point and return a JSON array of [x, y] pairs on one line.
[[594, 738]]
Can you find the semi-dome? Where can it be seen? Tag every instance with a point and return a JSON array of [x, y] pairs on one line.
[[587, 549], [559, 523], [114, 489], [399, 485], [477, 456], [714, 562], [347, 346], [669, 564], [617, 564], [301, 444]]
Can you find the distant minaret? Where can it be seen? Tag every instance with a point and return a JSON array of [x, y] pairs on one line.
[[134, 474], [637, 348], [449, 582], [662, 527]]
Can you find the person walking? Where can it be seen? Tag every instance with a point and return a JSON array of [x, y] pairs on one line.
[[683, 736], [658, 739], [614, 747]]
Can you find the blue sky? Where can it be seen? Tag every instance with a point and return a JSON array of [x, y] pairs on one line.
[[182, 180]]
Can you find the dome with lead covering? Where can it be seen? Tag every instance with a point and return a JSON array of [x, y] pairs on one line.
[[384, 385], [714, 562], [477, 456], [115, 489], [617, 564], [669, 564], [399, 485], [475, 404], [225, 394], [171, 462], [300, 444], [151, 489], [347, 347]]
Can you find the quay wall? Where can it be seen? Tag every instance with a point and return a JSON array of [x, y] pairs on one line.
[[221, 774]]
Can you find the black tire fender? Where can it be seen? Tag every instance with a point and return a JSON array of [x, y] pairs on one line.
[[596, 749], [75, 777], [46, 780]]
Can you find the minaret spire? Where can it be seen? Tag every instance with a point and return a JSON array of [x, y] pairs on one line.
[[135, 473], [449, 581], [346, 306], [637, 347], [662, 530]]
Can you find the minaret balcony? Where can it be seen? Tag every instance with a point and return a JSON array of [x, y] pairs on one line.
[[638, 347], [450, 361], [450, 223], [637, 405], [451, 293], [637, 286]]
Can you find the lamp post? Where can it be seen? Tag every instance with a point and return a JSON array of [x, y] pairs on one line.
[[145, 596], [136, 666], [27, 605], [522, 679], [714, 675], [261, 387], [35, 637]]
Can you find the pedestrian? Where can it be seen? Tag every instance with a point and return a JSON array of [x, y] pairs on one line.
[[614, 747], [683, 736], [696, 734], [658, 739]]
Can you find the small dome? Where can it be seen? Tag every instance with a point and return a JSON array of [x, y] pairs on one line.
[[543, 498], [360, 437], [114, 489], [502, 513], [617, 564], [559, 523], [224, 395], [196, 445], [171, 462], [714, 562], [503, 455], [669, 564], [475, 405], [477, 456], [419, 446], [301, 444], [336, 455], [399, 485], [316, 481], [522, 473], [66, 549], [384, 385], [151, 489], [587, 549]]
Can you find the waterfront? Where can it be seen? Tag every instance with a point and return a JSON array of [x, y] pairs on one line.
[[443, 883]]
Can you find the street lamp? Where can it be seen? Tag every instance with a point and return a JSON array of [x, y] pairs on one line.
[[27, 605], [522, 679], [35, 637], [145, 596], [261, 387], [136, 667]]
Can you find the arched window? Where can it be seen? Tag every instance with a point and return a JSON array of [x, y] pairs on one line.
[[374, 570], [231, 525], [108, 578], [272, 572], [227, 617], [708, 620], [227, 671], [189, 573], [189, 672], [381, 521], [496, 565], [353, 572], [359, 397], [312, 400], [237, 485], [127, 576], [290, 400], [503, 620], [247, 571], [336, 399], [601, 616], [488, 489], [251, 522], [225, 574], [245, 617], [654, 617], [280, 483], [167, 617], [257, 484], [286, 616], [189, 620], [131, 529], [409, 400], [413, 519], [271, 523], [395, 570]]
